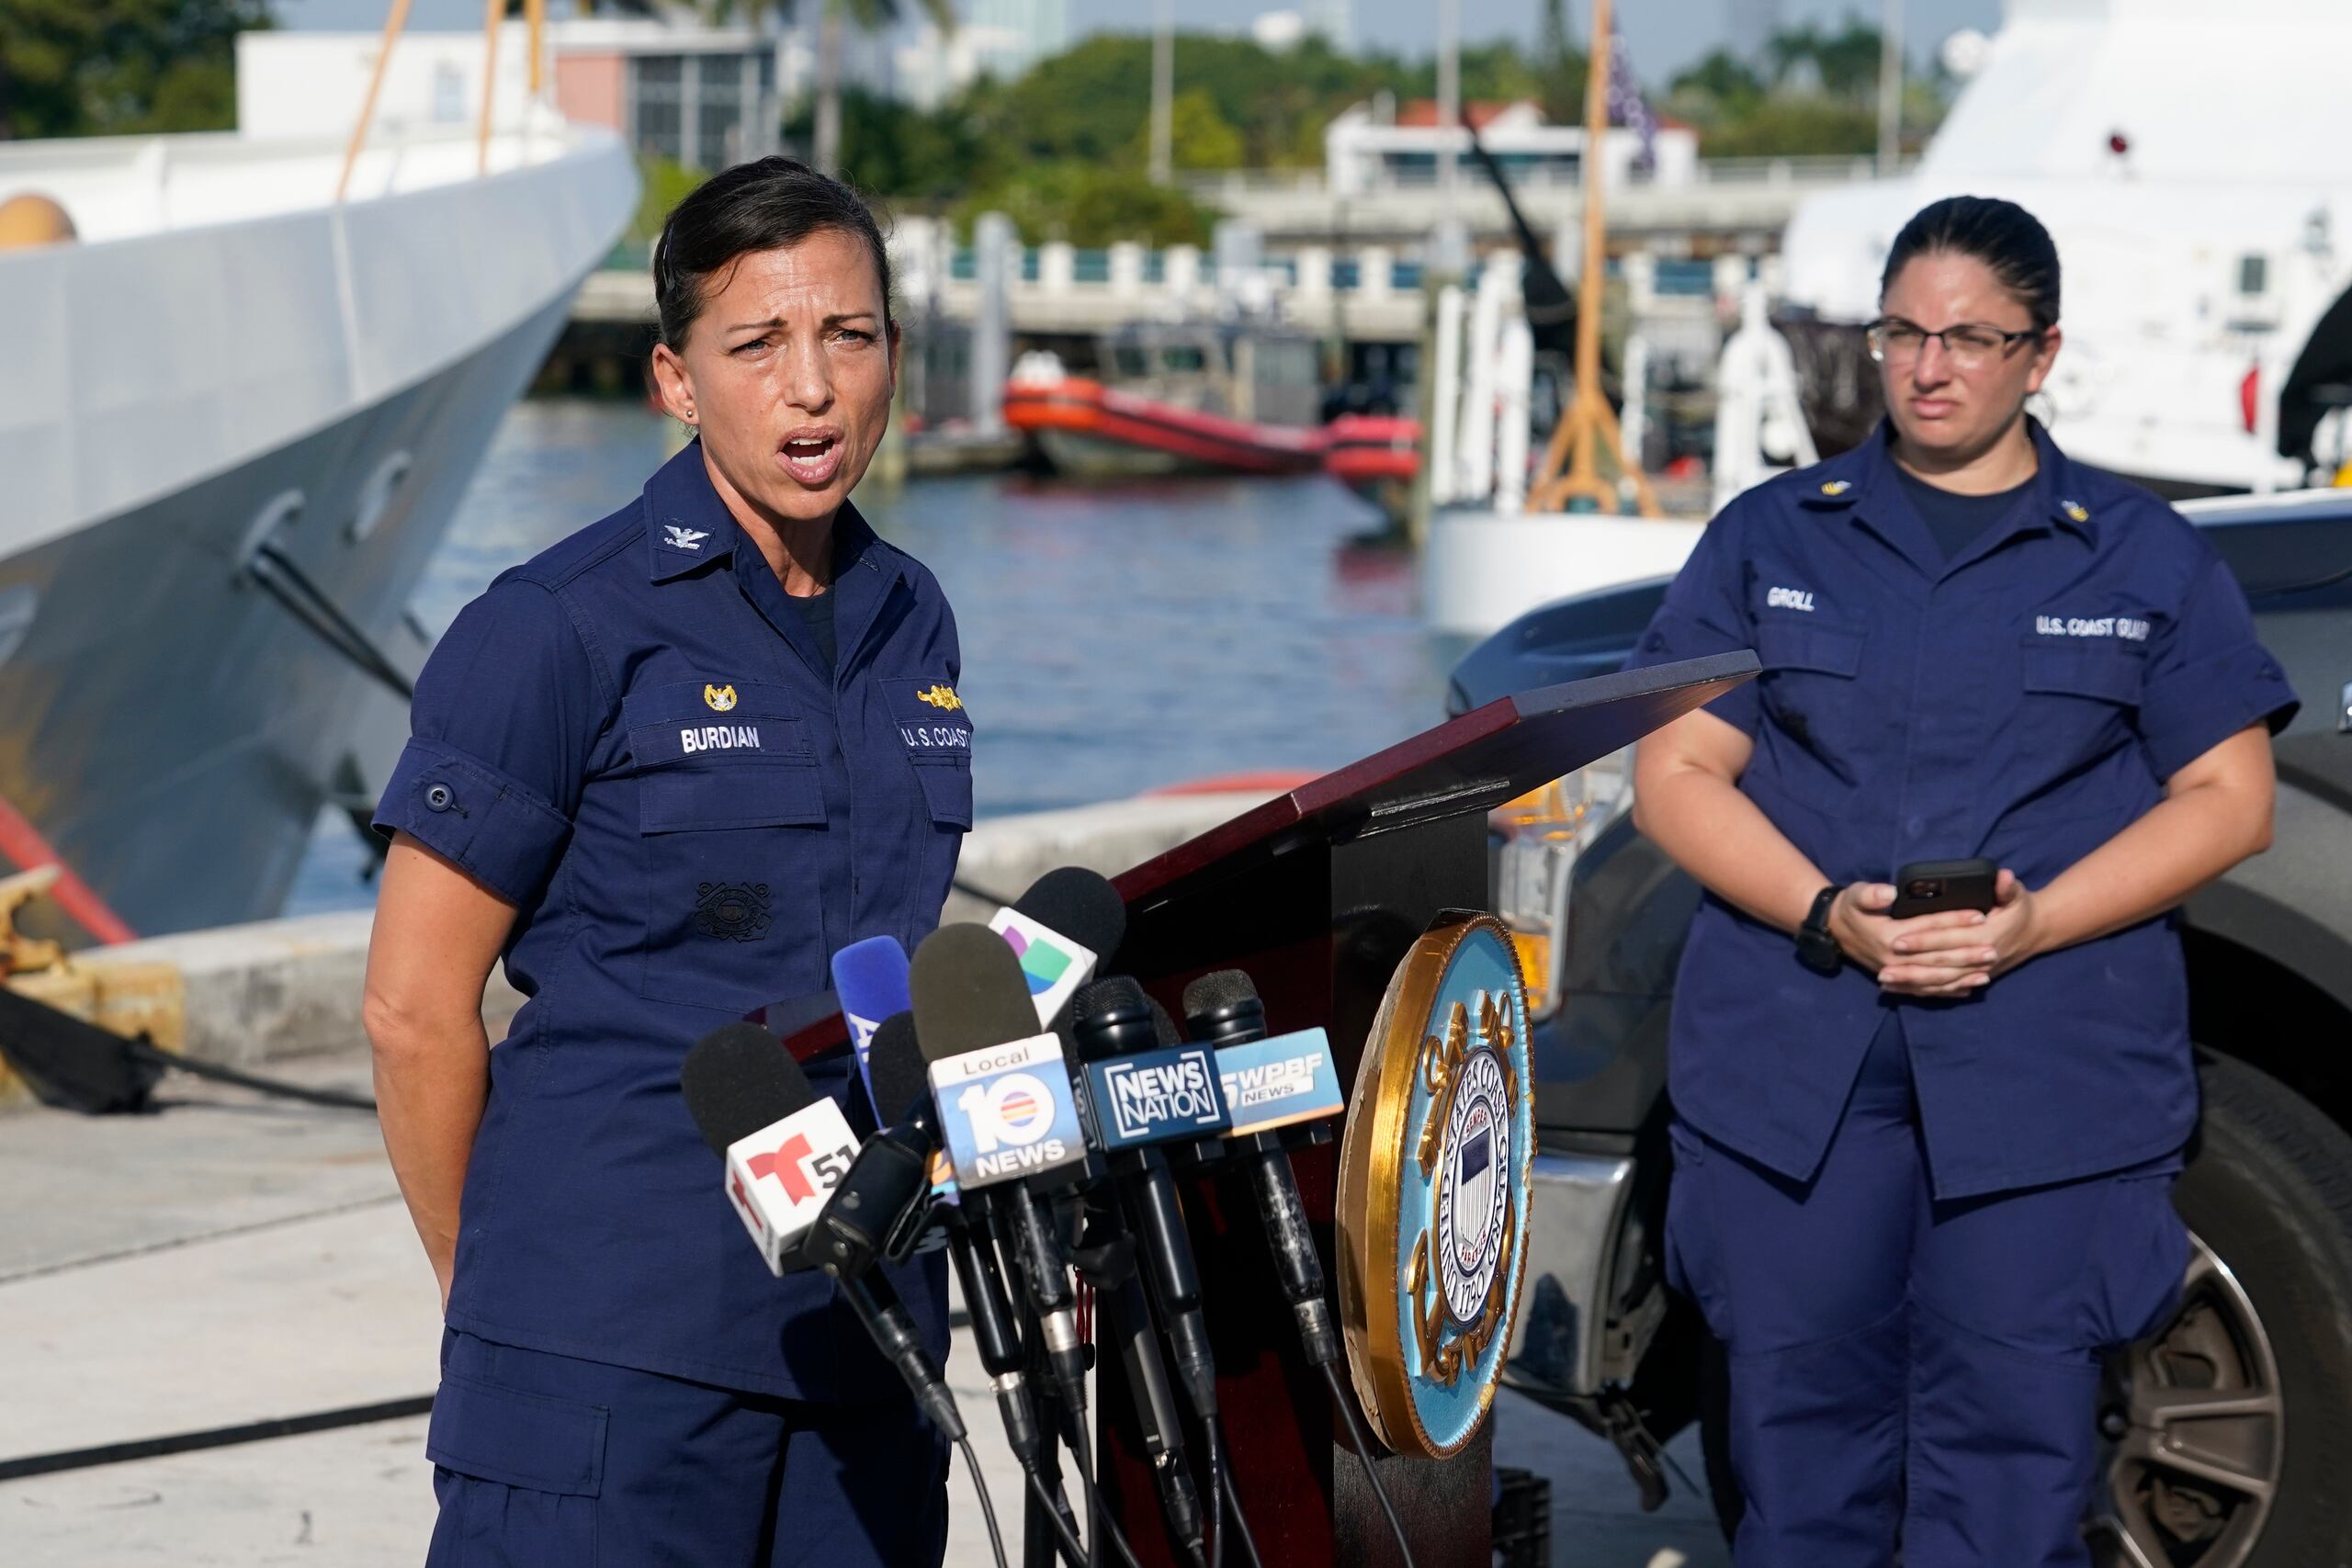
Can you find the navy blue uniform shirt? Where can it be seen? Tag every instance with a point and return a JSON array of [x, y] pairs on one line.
[[2024, 699], [634, 739]]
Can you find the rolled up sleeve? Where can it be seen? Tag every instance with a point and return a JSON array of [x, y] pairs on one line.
[[505, 712], [2208, 675], [1703, 614]]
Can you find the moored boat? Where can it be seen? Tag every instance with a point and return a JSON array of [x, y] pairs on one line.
[[244, 410]]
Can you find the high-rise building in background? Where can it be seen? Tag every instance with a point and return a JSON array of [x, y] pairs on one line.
[[1335, 20], [1753, 23]]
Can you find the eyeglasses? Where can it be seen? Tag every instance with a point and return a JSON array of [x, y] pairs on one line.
[[1970, 345]]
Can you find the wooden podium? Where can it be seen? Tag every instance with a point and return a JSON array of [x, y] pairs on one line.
[[1318, 894]]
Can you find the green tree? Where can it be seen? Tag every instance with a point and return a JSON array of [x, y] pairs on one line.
[[889, 148], [115, 67], [1199, 137], [1089, 205]]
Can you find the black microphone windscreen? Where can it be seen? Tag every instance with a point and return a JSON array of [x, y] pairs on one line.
[[1218, 988], [1081, 905], [1163, 1026], [968, 992], [1112, 993], [738, 1079], [894, 1066]]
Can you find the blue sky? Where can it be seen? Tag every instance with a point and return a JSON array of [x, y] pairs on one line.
[[1664, 35]]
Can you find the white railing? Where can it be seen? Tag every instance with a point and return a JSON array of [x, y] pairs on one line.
[[1799, 171]]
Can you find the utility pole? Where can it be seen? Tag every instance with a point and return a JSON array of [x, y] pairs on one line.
[[1449, 247], [1163, 91], [1890, 88]]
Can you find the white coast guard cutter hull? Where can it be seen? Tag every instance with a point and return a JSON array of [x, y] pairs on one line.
[[235, 419]]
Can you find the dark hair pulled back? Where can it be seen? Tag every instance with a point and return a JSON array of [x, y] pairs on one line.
[[2008, 240], [763, 205]]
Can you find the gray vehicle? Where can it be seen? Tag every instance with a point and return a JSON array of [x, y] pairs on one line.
[[2229, 1432]]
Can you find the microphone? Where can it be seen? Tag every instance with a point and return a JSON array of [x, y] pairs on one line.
[[870, 979], [784, 1145], [877, 1208], [1008, 1113], [1061, 929], [1270, 1084], [1153, 1094], [900, 1080], [737, 1076]]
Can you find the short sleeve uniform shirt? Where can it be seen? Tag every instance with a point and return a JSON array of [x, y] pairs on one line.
[[636, 739], [2023, 698]]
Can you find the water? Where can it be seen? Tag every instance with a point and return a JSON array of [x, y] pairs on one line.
[[1115, 639]]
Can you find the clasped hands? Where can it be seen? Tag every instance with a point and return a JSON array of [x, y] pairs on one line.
[[1947, 954]]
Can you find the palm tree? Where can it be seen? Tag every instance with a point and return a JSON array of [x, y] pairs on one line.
[[866, 16]]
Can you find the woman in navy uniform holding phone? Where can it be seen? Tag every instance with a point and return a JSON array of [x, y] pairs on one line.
[[1924, 1161], [665, 770]]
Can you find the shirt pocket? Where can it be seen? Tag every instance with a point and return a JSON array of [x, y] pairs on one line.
[[730, 796], [1809, 692], [936, 730]]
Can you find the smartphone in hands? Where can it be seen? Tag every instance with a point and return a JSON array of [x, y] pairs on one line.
[[1933, 887]]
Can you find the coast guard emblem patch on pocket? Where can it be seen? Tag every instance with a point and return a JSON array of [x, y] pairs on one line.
[[720, 698], [732, 911]]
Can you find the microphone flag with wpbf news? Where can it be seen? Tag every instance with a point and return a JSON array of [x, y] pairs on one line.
[[785, 1147], [1274, 1082]]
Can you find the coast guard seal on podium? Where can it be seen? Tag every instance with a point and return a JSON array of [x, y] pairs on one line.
[[1433, 1188]]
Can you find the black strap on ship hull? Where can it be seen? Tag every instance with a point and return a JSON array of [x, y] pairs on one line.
[[278, 576]]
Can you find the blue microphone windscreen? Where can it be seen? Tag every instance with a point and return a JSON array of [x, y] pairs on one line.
[[870, 977]]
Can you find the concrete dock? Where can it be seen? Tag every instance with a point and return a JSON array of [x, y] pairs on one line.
[[229, 1263]]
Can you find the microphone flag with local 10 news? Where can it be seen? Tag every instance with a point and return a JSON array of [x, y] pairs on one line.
[[1274, 1082], [1007, 1111], [1053, 965], [778, 1178]]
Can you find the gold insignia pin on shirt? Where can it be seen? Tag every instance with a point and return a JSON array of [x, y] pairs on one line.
[[2075, 510], [720, 698], [941, 697], [1836, 487]]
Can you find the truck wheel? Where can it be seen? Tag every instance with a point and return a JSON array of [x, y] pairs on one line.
[[2228, 1430]]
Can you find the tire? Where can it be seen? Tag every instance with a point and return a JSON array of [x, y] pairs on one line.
[[2267, 1196]]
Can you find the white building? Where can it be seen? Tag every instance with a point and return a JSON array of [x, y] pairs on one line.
[[703, 97], [1362, 153]]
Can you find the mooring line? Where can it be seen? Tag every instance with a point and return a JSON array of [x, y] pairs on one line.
[[215, 1437]]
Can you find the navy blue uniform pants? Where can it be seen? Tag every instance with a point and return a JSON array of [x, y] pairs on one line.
[[545, 1461], [1904, 1368]]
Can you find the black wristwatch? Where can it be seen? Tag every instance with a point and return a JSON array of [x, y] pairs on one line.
[[1817, 949]]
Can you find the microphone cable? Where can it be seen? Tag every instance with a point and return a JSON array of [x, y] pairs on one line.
[[987, 1505], [1098, 1516], [1231, 1502], [1358, 1439]]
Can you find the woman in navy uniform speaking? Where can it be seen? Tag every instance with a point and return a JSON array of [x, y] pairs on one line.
[[1923, 1165], [665, 770]]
